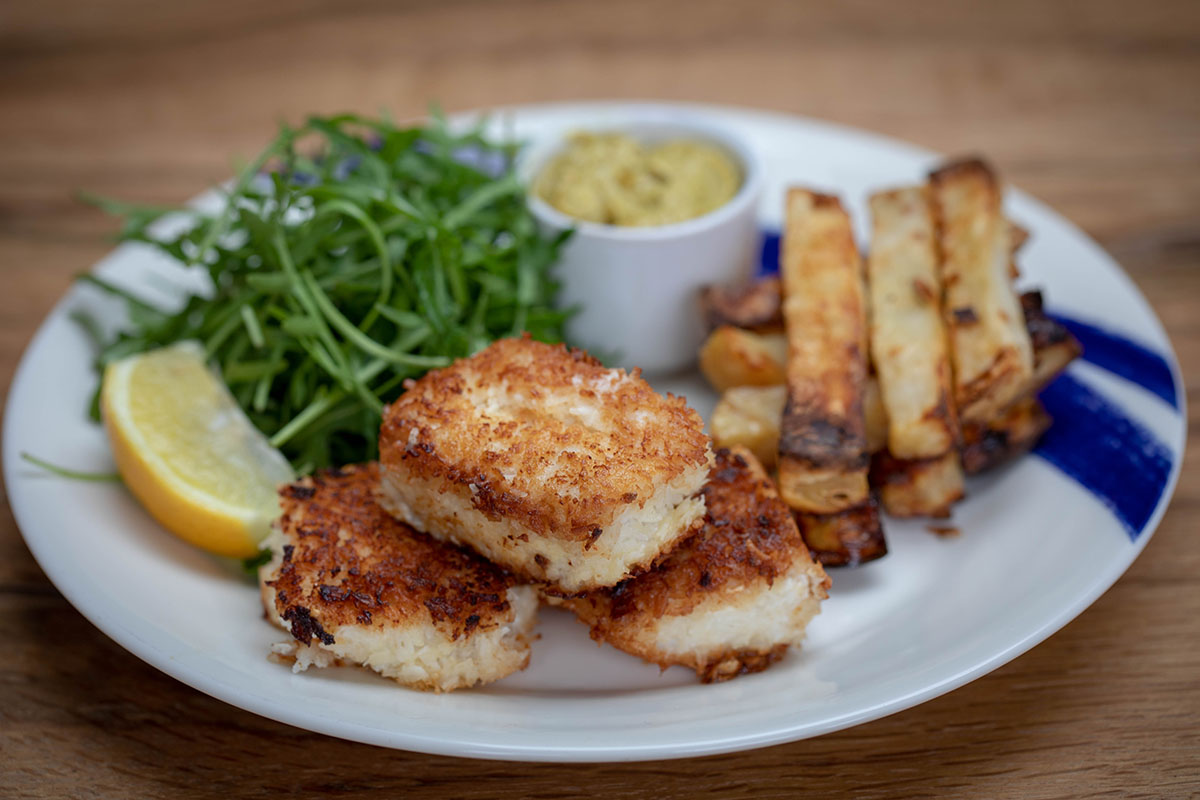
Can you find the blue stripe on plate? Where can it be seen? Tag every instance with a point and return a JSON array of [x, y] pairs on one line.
[[1124, 357], [1093, 441], [768, 254]]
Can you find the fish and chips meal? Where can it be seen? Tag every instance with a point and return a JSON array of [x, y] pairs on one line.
[[460, 467]]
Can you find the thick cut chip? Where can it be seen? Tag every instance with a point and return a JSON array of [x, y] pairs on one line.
[[727, 601], [822, 444], [1011, 434], [991, 350], [546, 462], [748, 416], [917, 487], [847, 538], [1017, 430], [739, 357], [908, 337], [1053, 345], [354, 585], [754, 306]]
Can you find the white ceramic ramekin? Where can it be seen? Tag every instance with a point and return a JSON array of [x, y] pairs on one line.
[[637, 287]]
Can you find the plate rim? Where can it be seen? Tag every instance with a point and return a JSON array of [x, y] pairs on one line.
[[116, 629]]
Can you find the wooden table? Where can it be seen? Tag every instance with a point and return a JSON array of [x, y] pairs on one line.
[[1091, 106]]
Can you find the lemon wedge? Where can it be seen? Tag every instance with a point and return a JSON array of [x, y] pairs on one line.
[[188, 452]]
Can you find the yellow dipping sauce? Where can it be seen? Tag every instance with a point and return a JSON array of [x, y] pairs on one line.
[[613, 179]]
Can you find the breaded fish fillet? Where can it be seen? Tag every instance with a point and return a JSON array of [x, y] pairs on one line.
[[729, 600], [352, 584], [546, 462]]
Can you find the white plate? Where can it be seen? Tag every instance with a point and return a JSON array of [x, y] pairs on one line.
[[1037, 547]]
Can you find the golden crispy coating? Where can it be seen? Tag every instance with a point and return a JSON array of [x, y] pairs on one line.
[[544, 435], [346, 561], [748, 545], [545, 462], [822, 444], [748, 536]]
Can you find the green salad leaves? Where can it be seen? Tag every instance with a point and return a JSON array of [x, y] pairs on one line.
[[351, 255]]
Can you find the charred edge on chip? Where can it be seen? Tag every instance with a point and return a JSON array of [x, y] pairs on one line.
[[811, 437], [1044, 331], [756, 306], [965, 316], [825, 201], [972, 165], [846, 538]]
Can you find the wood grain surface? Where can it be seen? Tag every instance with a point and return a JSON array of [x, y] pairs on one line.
[[1091, 106]]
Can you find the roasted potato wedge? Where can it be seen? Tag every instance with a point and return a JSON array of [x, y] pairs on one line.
[[917, 488], [1013, 433], [749, 416], [754, 306], [822, 444], [908, 337], [990, 347], [846, 539], [739, 357]]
